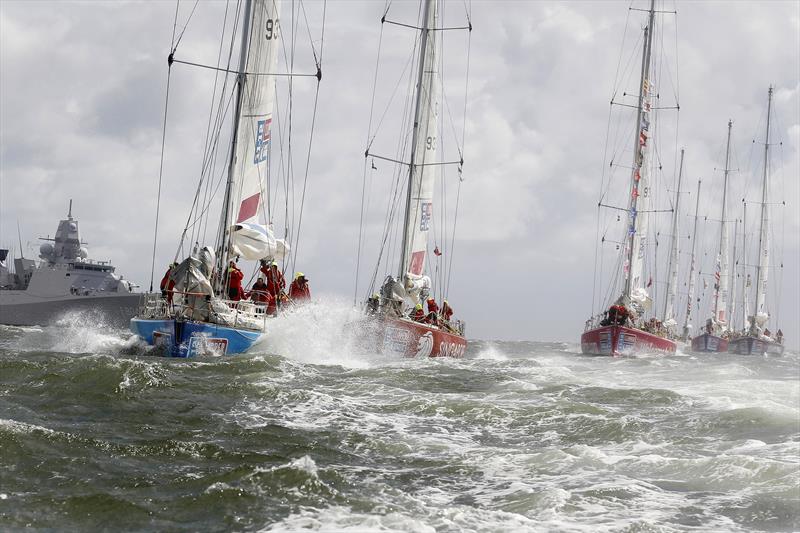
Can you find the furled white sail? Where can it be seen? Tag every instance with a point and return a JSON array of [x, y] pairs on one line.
[[721, 274], [640, 197], [253, 138], [256, 241], [423, 169], [690, 297]]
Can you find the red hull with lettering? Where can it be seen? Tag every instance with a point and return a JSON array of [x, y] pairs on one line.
[[406, 338], [622, 340], [707, 343], [754, 346]]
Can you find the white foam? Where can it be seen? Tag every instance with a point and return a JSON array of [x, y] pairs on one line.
[[316, 333]]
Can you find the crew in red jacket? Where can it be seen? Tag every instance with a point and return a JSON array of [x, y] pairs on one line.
[[274, 277], [259, 293], [417, 315], [433, 310], [447, 311], [235, 277], [168, 284], [299, 291]]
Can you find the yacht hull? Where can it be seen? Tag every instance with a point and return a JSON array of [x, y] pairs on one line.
[[622, 340], [18, 308], [754, 346], [181, 338], [707, 343], [406, 338]]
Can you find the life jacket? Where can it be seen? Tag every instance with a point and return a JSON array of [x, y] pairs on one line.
[[418, 315], [432, 307]]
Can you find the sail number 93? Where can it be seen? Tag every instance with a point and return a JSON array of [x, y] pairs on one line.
[[271, 29], [430, 143]]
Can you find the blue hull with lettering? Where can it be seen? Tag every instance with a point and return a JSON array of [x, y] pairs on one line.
[[182, 338]]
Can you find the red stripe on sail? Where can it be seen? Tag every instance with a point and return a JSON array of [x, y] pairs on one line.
[[249, 208], [417, 262]]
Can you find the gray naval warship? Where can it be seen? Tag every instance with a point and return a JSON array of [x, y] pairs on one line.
[[65, 280]]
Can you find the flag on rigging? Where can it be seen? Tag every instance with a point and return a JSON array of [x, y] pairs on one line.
[[436, 251], [650, 281]]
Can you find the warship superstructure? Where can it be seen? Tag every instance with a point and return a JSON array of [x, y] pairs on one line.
[[64, 280]]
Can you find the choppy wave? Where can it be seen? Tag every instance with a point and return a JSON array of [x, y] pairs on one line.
[[309, 433]]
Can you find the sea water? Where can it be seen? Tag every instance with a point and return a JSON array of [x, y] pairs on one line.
[[307, 432]]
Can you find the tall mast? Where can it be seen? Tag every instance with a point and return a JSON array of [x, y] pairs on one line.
[[429, 5], [732, 285], [224, 245], [745, 273], [672, 281], [636, 234], [763, 238], [691, 267], [721, 285]]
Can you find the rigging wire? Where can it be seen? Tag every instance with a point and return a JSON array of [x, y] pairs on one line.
[[163, 141], [311, 137], [364, 172]]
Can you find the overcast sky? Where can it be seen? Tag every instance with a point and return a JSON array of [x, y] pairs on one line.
[[81, 100]]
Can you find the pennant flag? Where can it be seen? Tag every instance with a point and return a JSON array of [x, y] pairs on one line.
[[650, 281], [436, 251]]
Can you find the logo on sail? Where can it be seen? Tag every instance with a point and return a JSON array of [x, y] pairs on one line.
[[263, 138], [425, 219]]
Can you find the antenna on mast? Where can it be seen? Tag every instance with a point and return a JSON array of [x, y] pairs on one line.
[[19, 236], [69, 215]]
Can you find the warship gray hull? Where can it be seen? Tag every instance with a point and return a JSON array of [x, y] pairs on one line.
[[106, 310]]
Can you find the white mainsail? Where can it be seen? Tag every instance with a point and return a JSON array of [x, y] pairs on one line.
[[253, 136], [424, 161], [252, 142], [721, 274], [761, 314]]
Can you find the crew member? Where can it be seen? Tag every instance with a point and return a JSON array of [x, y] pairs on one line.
[[418, 315], [433, 310], [167, 283], [779, 336], [235, 277], [373, 303], [617, 315], [274, 278], [447, 311], [260, 294], [299, 291]]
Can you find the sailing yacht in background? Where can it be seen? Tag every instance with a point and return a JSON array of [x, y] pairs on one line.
[[200, 316], [620, 330], [715, 336], [670, 322], [756, 338], [396, 322]]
